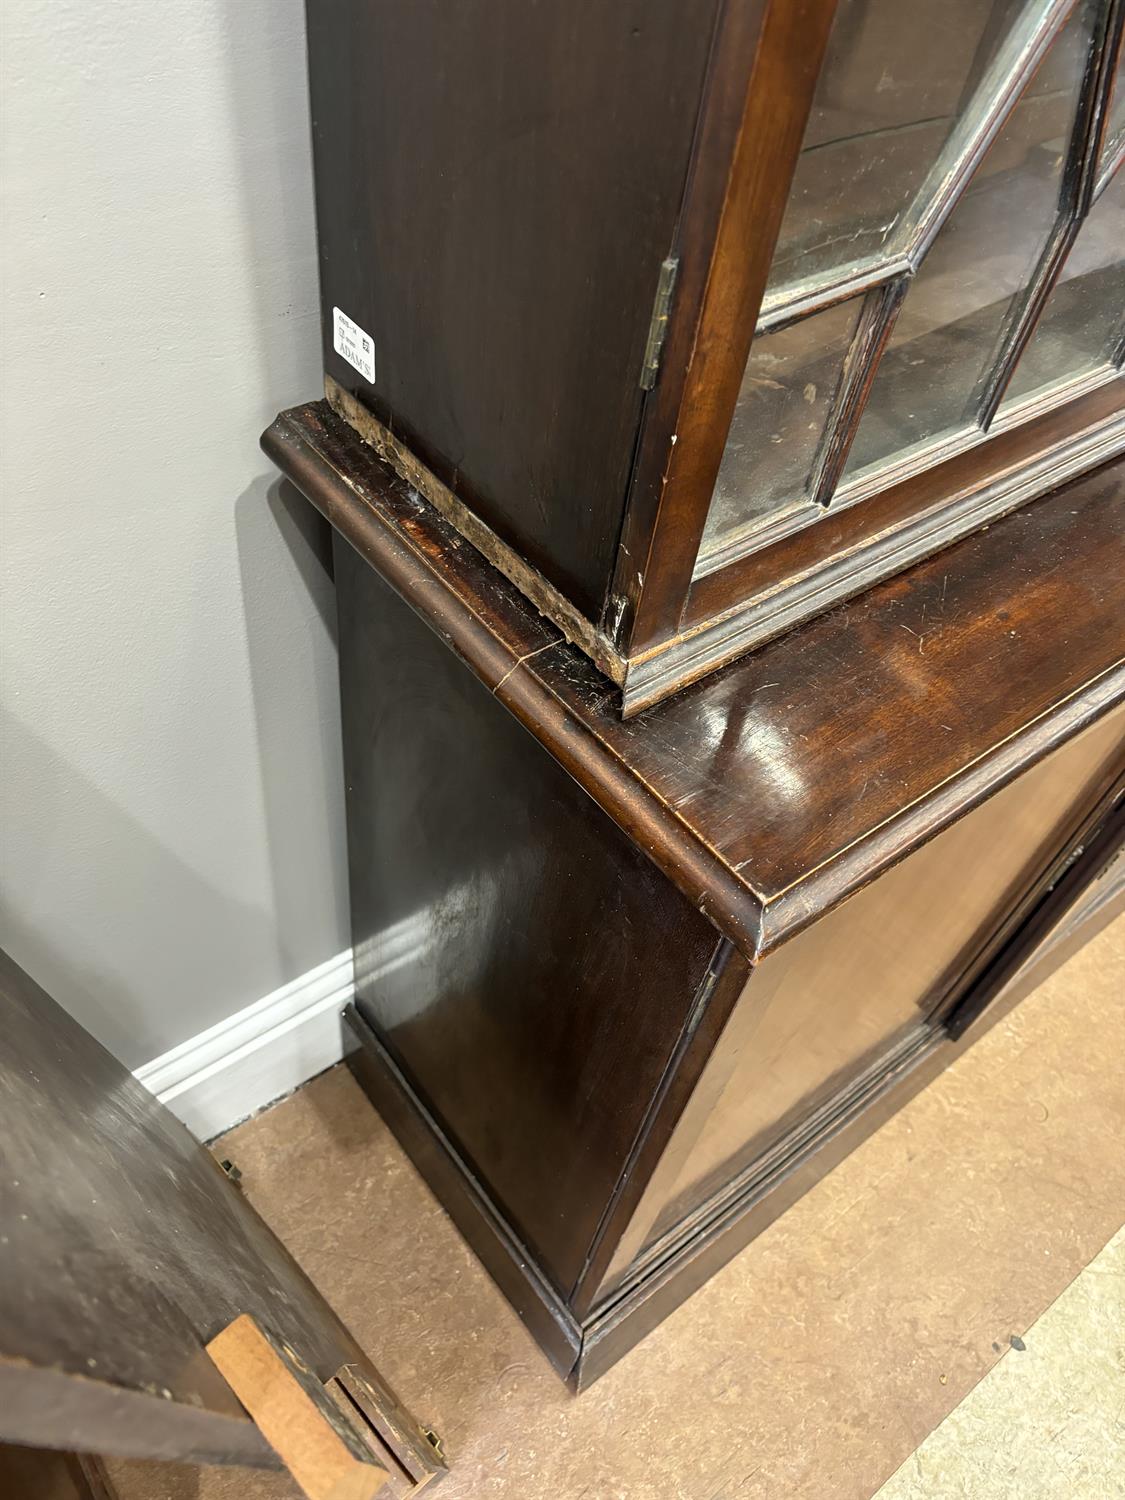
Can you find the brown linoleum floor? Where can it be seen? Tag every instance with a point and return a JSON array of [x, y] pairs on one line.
[[817, 1362]]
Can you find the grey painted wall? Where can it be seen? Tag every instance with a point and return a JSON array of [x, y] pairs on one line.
[[172, 845]]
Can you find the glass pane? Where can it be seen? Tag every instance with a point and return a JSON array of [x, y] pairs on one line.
[[1115, 125], [1083, 322], [949, 329], [897, 77], [786, 395]]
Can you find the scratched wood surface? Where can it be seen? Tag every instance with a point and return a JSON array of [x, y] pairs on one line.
[[775, 788]]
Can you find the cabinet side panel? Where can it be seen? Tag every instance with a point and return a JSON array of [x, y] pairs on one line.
[[498, 182], [831, 1007], [527, 966]]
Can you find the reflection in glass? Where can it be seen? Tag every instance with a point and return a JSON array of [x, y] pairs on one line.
[[898, 78], [1114, 138], [783, 405], [1081, 327], [935, 166], [948, 332]]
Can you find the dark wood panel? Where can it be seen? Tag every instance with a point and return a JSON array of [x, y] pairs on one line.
[[781, 784], [1082, 897], [658, 1146], [125, 1249], [466, 1200], [498, 182], [1085, 900], [40, 1474], [517, 954]]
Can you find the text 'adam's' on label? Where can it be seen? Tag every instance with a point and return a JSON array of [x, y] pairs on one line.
[[350, 341]]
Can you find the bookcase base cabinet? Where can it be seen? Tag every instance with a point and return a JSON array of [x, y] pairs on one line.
[[608, 1096], [625, 989]]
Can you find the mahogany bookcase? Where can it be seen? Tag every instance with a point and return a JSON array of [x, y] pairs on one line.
[[626, 988], [723, 440]]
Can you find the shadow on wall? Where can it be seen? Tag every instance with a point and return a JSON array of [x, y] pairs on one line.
[[84, 853], [269, 104], [303, 791]]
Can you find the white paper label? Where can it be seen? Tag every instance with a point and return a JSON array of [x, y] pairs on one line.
[[357, 347]]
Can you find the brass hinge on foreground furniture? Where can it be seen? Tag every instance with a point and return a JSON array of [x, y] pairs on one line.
[[412, 1455], [658, 328]]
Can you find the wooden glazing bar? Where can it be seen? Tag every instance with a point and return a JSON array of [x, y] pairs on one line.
[[1080, 177], [1006, 80], [876, 324]]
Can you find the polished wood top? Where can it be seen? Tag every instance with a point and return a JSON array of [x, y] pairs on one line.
[[779, 785]]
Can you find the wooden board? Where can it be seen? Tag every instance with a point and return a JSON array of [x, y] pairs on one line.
[[320, 1445], [123, 1250]]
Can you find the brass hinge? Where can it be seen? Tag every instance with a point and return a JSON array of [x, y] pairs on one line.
[[658, 328]]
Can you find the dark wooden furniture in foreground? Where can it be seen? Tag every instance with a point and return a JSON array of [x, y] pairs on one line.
[[626, 989], [697, 316], [125, 1250]]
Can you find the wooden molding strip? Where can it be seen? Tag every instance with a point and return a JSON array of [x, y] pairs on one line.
[[546, 598], [574, 713], [421, 562]]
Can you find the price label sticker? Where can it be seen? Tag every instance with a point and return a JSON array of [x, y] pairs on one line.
[[350, 341]]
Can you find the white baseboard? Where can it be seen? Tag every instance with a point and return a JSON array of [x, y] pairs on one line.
[[229, 1072], [232, 1070]]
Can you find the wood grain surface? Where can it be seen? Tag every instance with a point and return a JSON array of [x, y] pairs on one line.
[[497, 185], [778, 786]]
